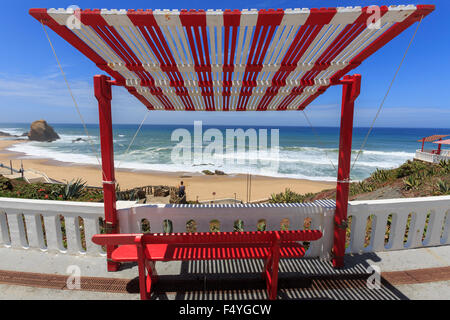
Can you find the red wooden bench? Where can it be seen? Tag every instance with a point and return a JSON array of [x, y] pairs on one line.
[[148, 248]]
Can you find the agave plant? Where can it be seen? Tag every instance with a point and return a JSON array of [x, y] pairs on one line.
[[443, 187], [380, 176], [411, 182], [445, 165], [361, 187], [74, 189]]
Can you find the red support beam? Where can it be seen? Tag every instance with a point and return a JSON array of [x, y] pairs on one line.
[[350, 91], [102, 88]]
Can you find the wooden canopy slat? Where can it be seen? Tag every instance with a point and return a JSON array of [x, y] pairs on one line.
[[232, 60]]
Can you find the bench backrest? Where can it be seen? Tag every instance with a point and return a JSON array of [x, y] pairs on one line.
[[209, 237]]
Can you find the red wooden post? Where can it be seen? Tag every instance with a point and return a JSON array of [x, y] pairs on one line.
[[102, 87], [350, 91], [439, 147], [423, 142]]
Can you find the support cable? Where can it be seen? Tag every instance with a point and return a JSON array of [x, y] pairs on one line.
[[73, 99], [318, 139], [385, 96], [134, 137]]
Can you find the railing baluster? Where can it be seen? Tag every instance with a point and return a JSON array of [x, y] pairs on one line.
[[416, 229], [272, 222], [34, 231], [434, 228], [227, 225], [378, 232], [17, 229], [73, 235], [4, 229], [445, 239], [178, 225], [91, 227], [297, 219], [125, 217], [397, 231], [358, 232], [203, 224], [315, 247], [53, 232], [326, 242]]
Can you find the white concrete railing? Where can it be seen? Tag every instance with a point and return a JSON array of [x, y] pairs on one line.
[[37, 223], [26, 223], [427, 156], [414, 222], [317, 215]]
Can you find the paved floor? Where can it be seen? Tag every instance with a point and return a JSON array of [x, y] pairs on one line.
[[428, 277]]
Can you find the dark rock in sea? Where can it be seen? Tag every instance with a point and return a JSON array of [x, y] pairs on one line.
[[5, 134], [40, 130], [25, 134], [208, 173], [78, 140], [219, 173]]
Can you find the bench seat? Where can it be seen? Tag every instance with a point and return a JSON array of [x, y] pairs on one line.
[[213, 251], [149, 248]]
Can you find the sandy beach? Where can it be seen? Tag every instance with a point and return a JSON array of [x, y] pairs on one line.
[[197, 185]]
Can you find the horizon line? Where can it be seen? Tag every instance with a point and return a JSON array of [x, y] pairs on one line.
[[218, 124]]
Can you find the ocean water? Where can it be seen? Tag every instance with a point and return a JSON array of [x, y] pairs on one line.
[[303, 153]]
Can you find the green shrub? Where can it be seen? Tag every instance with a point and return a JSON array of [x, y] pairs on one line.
[[361, 187], [443, 187], [404, 170], [412, 182], [445, 166], [5, 183], [380, 176], [74, 189], [289, 196]]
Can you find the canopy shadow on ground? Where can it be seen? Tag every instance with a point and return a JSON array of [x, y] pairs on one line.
[[308, 279]]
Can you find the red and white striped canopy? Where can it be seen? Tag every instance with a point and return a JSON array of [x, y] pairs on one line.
[[433, 138], [443, 142], [229, 60]]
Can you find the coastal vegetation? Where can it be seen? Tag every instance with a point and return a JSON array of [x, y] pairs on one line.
[[77, 190], [74, 190], [412, 179]]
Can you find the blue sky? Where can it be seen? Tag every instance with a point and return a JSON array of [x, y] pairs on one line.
[[31, 85]]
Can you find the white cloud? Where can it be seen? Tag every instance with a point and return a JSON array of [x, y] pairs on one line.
[[47, 90], [51, 90]]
